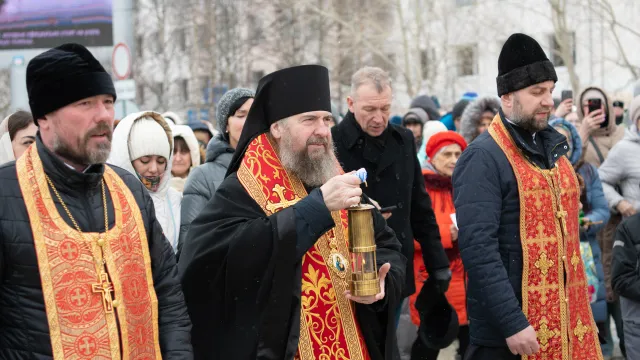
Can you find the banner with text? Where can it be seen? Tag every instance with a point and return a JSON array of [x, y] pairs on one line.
[[30, 24]]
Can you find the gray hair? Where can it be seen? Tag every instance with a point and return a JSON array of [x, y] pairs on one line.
[[370, 75]]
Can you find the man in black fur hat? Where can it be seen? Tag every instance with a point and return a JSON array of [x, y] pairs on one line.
[[517, 202], [85, 270], [265, 266]]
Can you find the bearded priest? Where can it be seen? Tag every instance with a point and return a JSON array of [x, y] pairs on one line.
[[517, 205], [85, 271], [259, 265]]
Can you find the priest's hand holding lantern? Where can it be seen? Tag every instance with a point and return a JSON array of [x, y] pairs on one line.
[[367, 284]]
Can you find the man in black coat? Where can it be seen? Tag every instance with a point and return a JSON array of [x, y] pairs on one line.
[[365, 138], [69, 287]]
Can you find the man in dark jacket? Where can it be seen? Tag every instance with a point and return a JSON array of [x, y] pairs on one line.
[[518, 221], [85, 271], [365, 138]]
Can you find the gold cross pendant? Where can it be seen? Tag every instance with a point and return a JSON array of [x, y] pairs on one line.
[[106, 288]]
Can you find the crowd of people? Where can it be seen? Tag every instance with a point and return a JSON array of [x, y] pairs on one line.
[[508, 224]]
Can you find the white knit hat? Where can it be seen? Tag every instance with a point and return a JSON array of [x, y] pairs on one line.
[[148, 137]]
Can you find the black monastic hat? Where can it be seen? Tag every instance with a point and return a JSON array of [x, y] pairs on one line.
[[522, 63], [282, 94]]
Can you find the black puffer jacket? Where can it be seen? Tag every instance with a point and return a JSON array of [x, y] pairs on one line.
[[202, 183], [24, 330], [487, 205]]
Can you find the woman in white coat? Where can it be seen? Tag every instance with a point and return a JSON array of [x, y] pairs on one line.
[[143, 145]]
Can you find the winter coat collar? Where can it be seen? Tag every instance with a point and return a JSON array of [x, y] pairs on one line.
[[435, 181], [216, 148], [554, 144], [353, 133], [393, 147], [65, 178]]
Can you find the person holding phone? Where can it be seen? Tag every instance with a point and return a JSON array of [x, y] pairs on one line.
[[566, 104], [598, 128]]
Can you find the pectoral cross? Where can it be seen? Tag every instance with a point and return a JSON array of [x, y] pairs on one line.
[[106, 288], [284, 203]]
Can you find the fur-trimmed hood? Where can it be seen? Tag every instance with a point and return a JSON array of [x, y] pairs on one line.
[[473, 114]]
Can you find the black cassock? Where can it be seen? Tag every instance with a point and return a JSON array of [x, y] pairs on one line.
[[241, 277]]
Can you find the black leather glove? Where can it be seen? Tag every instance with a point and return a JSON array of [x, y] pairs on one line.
[[443, 278]]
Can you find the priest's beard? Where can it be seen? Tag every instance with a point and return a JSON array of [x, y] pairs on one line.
[[312, 169], [529, 122], [84, 153]]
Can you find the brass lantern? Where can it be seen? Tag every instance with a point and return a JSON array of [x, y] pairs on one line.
[[362, 246]]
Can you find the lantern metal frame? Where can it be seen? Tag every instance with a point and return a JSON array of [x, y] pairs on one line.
[[362, 241]]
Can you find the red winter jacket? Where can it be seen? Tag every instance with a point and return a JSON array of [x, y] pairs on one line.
[[440, 190]]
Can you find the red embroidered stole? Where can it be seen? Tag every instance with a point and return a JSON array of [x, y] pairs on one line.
[[555, 297], [79, 325], [328, 328]]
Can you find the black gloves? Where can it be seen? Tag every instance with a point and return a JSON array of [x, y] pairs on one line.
[[443, 278]]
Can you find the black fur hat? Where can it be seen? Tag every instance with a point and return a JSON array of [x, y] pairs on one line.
[[522, 63], [63, 75]]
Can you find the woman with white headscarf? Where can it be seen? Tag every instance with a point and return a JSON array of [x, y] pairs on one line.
[[143, 145]]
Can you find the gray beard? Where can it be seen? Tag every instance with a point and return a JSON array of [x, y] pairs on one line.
[[88, 157], [312, 172]]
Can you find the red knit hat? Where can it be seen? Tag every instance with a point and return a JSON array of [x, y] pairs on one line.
[[442, 139]]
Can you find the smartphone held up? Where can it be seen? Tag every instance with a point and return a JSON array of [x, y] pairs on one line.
[[594, 105]]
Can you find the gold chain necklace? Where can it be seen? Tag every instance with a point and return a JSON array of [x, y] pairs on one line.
[[104, 286], [101, 241]]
